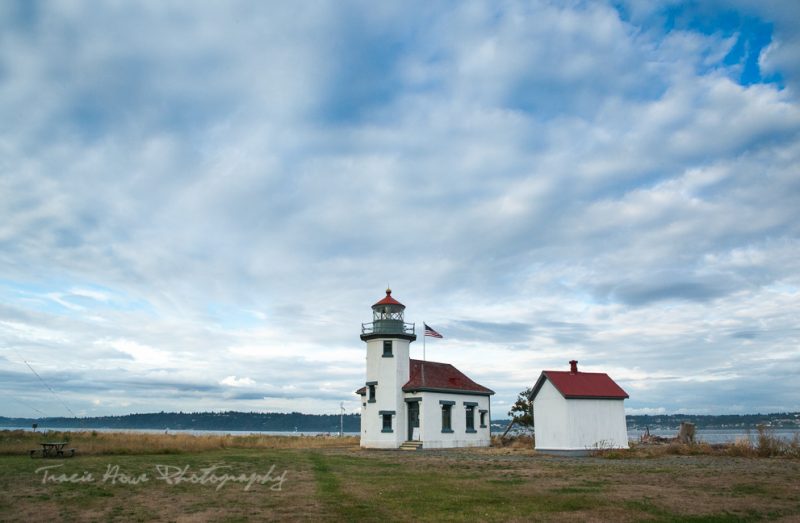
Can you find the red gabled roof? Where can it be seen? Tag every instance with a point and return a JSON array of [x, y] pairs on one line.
[[388, 300], [581, 385], [362, 391], [431, 375]]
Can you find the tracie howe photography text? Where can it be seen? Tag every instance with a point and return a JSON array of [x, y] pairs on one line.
[[216, 476]]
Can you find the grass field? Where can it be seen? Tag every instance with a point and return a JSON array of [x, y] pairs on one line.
[[333, 480]]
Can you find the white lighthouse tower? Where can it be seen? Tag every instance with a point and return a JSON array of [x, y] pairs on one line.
[[383, 410]]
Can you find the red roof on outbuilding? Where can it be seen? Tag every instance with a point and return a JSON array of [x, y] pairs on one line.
[[362, 391], [388, 300], [431, 375], [581, 385]]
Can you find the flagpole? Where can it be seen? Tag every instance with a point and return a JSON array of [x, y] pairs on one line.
[[423, 341]]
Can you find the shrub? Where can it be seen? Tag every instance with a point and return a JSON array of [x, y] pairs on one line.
[[768, 444], [742, 447]]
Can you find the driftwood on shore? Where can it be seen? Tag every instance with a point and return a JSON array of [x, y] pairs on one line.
[[651, 439], [685, 435]]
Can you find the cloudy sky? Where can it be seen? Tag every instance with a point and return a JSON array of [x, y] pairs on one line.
[[199, 202]]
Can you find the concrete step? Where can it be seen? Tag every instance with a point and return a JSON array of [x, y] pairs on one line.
[[411, 445]]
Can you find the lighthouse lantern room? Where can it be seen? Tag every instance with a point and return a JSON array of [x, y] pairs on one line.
[[387, 319]]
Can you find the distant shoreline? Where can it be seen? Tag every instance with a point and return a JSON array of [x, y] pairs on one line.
[[206, 421]]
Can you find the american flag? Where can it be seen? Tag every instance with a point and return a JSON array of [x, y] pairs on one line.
[[432, 333]]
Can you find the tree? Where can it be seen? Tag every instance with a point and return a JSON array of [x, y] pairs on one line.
[[522, 411]]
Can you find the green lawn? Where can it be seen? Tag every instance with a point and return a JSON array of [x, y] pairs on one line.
[[355, 485]]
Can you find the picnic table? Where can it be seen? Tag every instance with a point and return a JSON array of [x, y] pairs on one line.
[[53, 449]]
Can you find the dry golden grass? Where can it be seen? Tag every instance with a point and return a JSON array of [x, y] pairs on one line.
[[513, 442], [15, 442], [117, 443], [767, 445], [508, 446]]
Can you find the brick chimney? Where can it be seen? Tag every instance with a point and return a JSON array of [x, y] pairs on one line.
[[573, 366]]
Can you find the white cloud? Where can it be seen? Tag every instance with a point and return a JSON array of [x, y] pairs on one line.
[[143, 354], [233, 381], [214, 202]]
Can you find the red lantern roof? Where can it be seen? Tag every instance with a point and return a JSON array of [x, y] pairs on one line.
[[388, 300]]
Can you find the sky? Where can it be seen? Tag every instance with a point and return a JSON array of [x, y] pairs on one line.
[[200, 201]]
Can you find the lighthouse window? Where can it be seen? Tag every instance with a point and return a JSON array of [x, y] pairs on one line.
[[386, 420], [483, 419], [470, 418], [387, 348], [371, 388], [447, 409]]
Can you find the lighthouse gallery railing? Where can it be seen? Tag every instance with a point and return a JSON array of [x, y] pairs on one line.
[[387, 327]]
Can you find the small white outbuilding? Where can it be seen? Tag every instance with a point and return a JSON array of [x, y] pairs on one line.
[[577, 412]]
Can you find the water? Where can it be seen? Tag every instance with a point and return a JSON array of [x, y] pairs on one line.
[[717, 435]]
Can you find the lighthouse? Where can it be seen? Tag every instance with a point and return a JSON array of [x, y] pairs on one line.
[[388, 338], [407, 403]]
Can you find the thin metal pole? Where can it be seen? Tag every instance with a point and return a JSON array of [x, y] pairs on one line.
[[423, 341]]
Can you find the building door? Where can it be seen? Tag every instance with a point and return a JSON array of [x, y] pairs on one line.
[[413, 418]]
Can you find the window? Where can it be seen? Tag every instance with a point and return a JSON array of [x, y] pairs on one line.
[[469, 411], [387, 348], [470, 418], [447, 410], [371, 389], [386, 420], [483, 419]]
